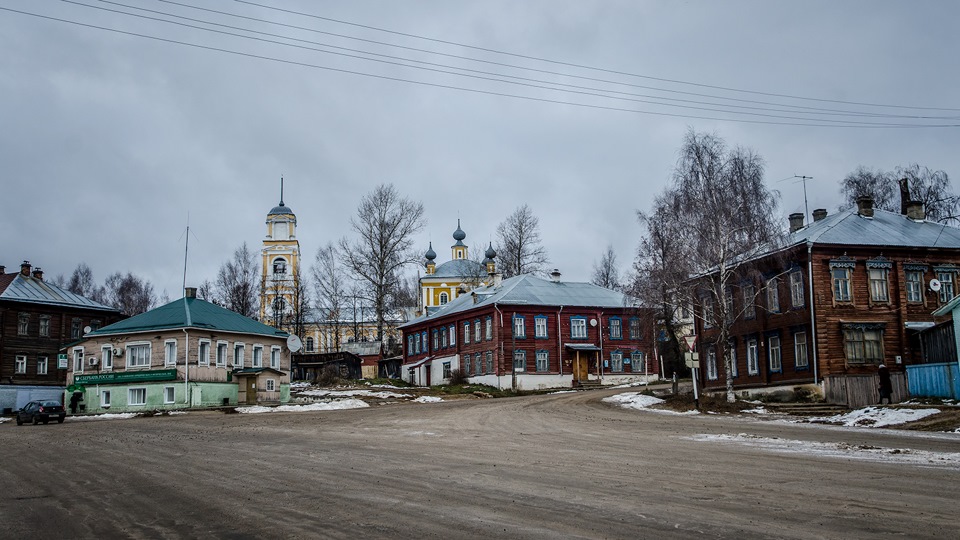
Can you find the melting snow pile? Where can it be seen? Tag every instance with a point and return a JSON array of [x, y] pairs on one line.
[[427, 399], [330, 406], [636, 400], [877, 417], [905, 456], [118, 416], [353, 393]]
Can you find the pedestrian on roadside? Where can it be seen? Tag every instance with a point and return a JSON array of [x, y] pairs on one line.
[[886, 387]]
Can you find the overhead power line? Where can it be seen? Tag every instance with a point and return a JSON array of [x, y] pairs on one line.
[[583, 66], [467, 89], [496, 77]]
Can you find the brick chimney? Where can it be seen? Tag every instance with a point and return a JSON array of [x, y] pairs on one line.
[[3, 269], [915, 211], [38, 273], [819, 214], [865, 205], [796, 221], [190, 292], [25, 268]]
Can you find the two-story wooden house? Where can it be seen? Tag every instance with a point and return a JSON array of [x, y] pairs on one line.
[[848, 292], [529, 333]]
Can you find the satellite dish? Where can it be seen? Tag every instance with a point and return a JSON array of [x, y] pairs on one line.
[[87, 329], [294, 343], [935, 285], [593, 322]]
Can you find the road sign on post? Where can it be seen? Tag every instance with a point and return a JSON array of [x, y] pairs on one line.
[[691, 342], [692, 359]]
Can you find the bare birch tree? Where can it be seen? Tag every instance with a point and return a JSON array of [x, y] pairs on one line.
[[727, 217], [237, 282], [605, 272], [81, 281], [332, 290], [385, 224], [519, 249], [128, 293]]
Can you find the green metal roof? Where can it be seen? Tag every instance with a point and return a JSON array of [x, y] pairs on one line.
[[189, 313]]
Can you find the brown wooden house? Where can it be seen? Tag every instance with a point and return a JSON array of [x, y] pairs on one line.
[[873, 279], [36, 320]]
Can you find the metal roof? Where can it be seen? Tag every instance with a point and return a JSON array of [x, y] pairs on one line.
[[883, 229], [20, 288], [459, 268], [528, 289], [189, 313]]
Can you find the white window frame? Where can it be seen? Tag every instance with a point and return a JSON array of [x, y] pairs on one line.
[[275, 357], [519, 327], [476, 331], [257, 360], [749, 301], [168, 359], [105, 399], [23, 323], [616, 361], [878, 282], [78, 359], [578, 328], [488, 328], [519, 360], [543, 361], [242, 347], [43, 363], [914, 286], [797, 298], [540, 327], [774, 354], [169, 395], [130, 396], [44, 326], [773, 295], [712, 364], [453, 334], [635, 331], [270, 385], [106, 358], [616, 327], [707, 312], [840, 278], [447, 372], [203, 352], [222, 358], [466, 332], [444, 298], [946, 285], [753, 357], [137, 345], [488, 361], [20, 365], [800, 358]]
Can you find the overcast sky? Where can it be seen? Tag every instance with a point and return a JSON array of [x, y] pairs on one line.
[[109, 140]]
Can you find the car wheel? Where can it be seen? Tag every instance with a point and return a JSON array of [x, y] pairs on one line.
[[46, 421], [60, 420], [19, 420], [36, 420]]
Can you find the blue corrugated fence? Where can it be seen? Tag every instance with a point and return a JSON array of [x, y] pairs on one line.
[[934, 380]]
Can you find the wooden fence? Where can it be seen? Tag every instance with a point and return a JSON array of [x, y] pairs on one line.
[[857, 391], [940, 380]]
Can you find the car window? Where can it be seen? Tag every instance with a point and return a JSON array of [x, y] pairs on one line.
[[51, 403]]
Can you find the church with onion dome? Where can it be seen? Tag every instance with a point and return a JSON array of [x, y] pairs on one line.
[[280, 255], [444, 282]]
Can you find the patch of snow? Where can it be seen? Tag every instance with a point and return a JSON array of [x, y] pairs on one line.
[[105, 416], [175, 413], [338, 405], [4, 419], [643, 402], [563, 392], [386, 386], [876, 417], [428, 399], [758, 410], [353, 393], [632, 385], [904, 456], [299, 385]]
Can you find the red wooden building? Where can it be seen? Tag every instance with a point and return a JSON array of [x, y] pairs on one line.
[[531, 333]]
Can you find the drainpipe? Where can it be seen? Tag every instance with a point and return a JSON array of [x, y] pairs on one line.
[[813, 320], [186, 368], [500, 339], [600, 356], [559, 343]]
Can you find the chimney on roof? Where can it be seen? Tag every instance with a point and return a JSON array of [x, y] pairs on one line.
[[865, 205], [38, 273], [904, 196], [25, 268], [915, 211], [555, 276], [819, 214], [190, 292], [3, 269], [796, 221]]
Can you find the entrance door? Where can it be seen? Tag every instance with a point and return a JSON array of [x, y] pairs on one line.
[[580, 367], [195, 400], [251, 386]]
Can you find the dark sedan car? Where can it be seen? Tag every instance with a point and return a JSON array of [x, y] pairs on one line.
[[41, 411]]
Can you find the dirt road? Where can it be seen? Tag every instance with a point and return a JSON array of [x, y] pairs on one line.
[[553, 466]]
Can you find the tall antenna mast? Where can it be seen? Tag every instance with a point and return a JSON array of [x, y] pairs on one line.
[[186, 249], [806, 210], [281, 190]]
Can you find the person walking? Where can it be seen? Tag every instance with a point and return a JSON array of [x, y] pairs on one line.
[[886, 387]]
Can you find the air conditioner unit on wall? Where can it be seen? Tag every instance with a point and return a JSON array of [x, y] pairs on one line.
[[117, 351], [92, 360]]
